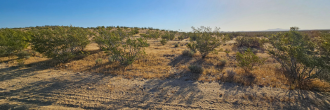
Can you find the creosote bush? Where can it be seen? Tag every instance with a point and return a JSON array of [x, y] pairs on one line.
[[13, 41], [121, 46], [60, 43], [206, 40], [248, 60], [298, 56], [250, 42], [163, 41]]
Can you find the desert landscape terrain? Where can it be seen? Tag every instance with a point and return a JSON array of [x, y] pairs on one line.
[[159, 79]]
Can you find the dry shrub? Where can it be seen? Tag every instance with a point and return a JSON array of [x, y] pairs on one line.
[[196, 68], [189, 53]]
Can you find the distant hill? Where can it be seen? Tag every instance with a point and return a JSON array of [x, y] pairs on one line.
[[276, 29]]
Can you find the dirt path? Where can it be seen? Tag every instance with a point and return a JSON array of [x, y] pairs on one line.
[[45, 88]]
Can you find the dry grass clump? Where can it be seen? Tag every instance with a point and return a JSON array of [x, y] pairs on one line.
[[196, 69]]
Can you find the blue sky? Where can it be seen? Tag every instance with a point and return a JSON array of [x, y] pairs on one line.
[[229, 15]]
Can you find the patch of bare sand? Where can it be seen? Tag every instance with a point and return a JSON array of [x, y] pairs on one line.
[[44, 88]]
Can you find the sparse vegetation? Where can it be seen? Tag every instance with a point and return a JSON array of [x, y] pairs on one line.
[[120, 49]]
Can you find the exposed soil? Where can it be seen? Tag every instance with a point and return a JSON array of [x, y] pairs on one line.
[[37, 87]]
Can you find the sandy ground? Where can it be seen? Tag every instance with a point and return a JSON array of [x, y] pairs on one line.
[[46, 88]]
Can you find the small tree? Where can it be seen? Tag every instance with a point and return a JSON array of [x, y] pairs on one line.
[[206, 40], [297, 55]]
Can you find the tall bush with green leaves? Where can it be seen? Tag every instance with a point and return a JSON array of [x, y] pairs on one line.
[[122, 48], [206, 40], [13, 41], [297, 54], [168, 36], [61, 43]]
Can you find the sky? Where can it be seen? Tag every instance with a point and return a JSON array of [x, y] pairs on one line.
[[178, 15]]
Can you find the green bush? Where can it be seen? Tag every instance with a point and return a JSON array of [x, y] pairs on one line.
[[176, 45], [196, 69], [168, 36], [122, 48], [250, 42], [13, 41], [297, 54], [134, 31], [248, 60], [205, 42], [61, 43], [181, 37], [163, 41]]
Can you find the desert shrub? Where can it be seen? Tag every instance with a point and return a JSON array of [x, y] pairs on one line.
[[61, 43], [196, 69], [127, 51], [250, 42], [145, 36], [222, 63], [248, 60], [193, 36], [111, 59], [106, 38], [154, 35], [23, 55], [151, 34], [176, 45], [168, 36], [98, 61], [227, 51], [192, 47], [323, 45], [122, 48], [230, 75], [163, 41], [134, 31], [297, 55], [181, 37], [205, 42], [13, 41], [189, 53]]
